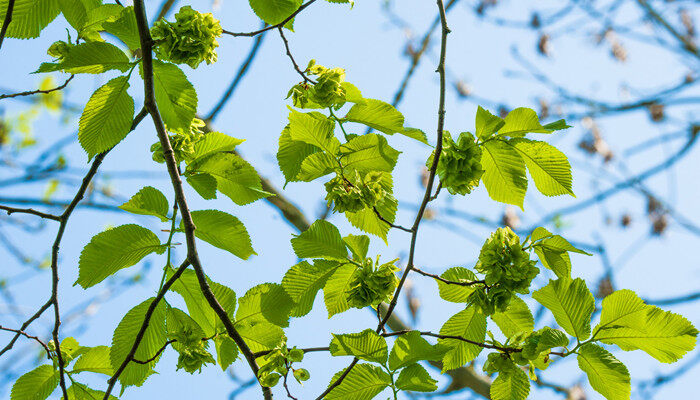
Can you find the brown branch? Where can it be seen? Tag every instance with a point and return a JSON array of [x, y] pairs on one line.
[[386, 221], [28, 336], [461, 338], [291, 57], [39, 91], [447, 281], [172, 166], [8, 19], [11, 210], [158, 353], [267, 28]]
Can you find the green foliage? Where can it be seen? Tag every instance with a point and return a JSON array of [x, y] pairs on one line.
[[30, 17], [372, 284], [190, 40], [416, 379], [452, 292], [86, 58], [459, 167], [37, 384], [469, 324], [571, 303], [363, 382], [366, 345], [606, 374], [274, 12], [512, 385], [175, 96], [148, 201], [107, 117], [410, 348], [515, 319], [115, 249], [321, 240], [553, 251], [224, 231]]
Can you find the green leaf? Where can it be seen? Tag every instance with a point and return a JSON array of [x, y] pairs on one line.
[[90, 58], [607, 375], [314, 129], [456, 293], [513, 385], [321, 240], [377, 115], [226, 351], [416, 134], [37, 384], [369, 152], [261, 336], [486, 123], [504, 173], [95, 360], [549, 167], [96, 18], [235, 178], [274, 12], [516, 318], [315, 166], [522, 121], [76, 11], [175, 96], [303, 281], [363, 382], [571, 303], [469, 324], [124, 27], [352, 93], [213, 143], [125, 335], [416, 379], [197, 305], [663, 335], [622, 308], [358, 245], [410, 347], [107, 117], [176, 322], [78, 391], [115, 249], [148, 201], [291, 154], [29, 17], [222, 230], [367, 219], [204, 185], [552, 251], [335, 291], [266, 302], [557, 125], [366, 345]]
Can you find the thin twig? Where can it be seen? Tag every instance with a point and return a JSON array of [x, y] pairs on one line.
[[291, 57], [28, 336], [447, 281], [12, 210], [38, 91], [461, 338], [8, 19], [267, 28]]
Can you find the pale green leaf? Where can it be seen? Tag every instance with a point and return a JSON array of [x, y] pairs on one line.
[[416, 134], [274, 12], [261, 336], [314, 129], [369, 152], [520, 122], [416, 379], [78, 391], [486, 123], [469, 324], [90, 58], [367, 219], [222, 230], [114, 249], [358, 245], [175, 96], [107, 117], [96, 18], [622, 308], [212, 143], [363, 382], [315, 166], [549, 167], [29, 17], [335, 291], [571, 303], [513, 385], [226, 351], [148, 201], [321, 240], [268, 302], [95, 360], [516, 318], [235, 177], [204, 185], [303, 281], [452, 292], [76, 11], [37, 384], [291, 153], [124, 27], [377, 115], [410, 347], [504, 173], [125, 336], [366, 345], [606, 374]]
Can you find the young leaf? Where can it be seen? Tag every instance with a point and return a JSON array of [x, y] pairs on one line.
[[95, 360], [358, 245], [29, 17], [486, 123], [37, 384], [204, 185], [261, 336], [522, 121], [512, 385], [90, 58], [96, 18], [321, 240], [235, 178], [416, 134], [315, 166], [368, 153], [76, 11], [366, 345], [549, 167], [114, 249], [313, 129], [367, 219], [456, 293], [607, 375], [125, 335], [303, 281], [107, 117], [274, 12], [516, 318], [124, 27], [416, 379], [78, 391], [663, 335], [552, 251], [291, 154], [212, 143], [335, 291], [410, 347], [175, 95], [148, 201], [504, 173], [469, 324], [377, 115], [224, 231], [226, 351], [266, 302], [363, 382], [622, 308], [571, 303]]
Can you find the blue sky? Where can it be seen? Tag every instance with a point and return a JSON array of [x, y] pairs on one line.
[[362, 41]]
